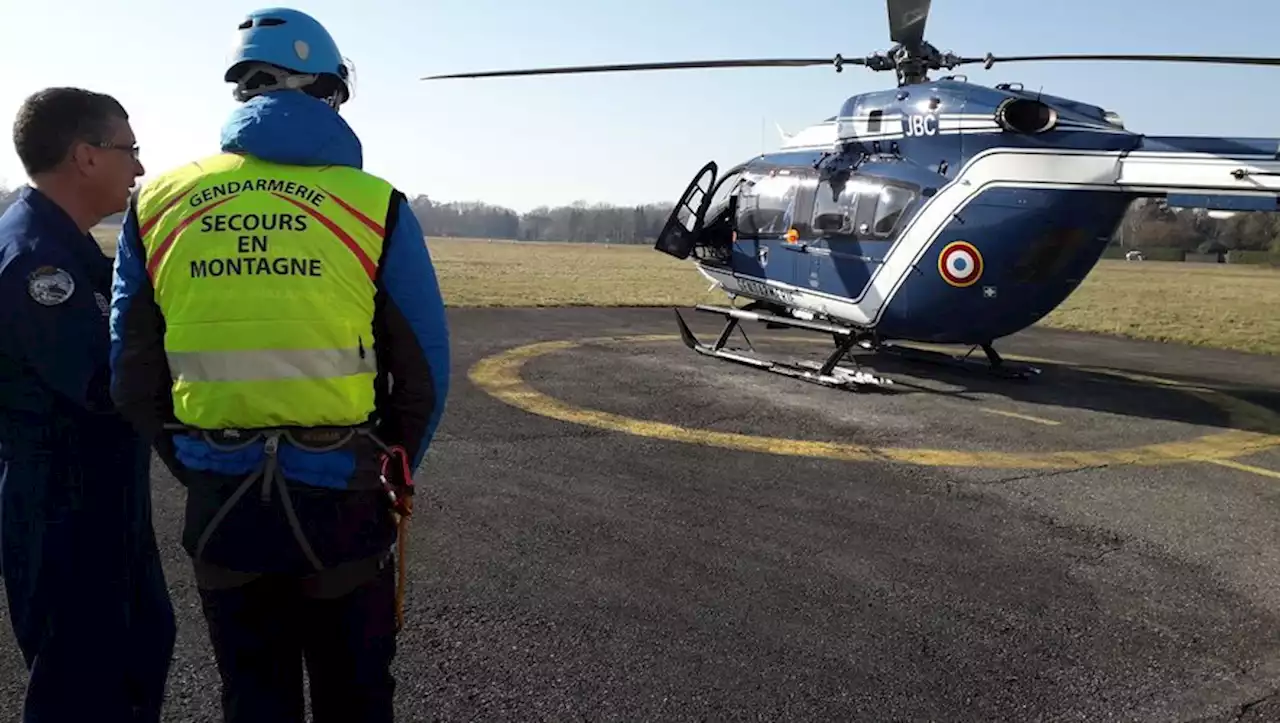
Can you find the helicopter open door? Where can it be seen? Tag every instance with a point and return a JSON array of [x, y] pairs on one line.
[[680, 233]]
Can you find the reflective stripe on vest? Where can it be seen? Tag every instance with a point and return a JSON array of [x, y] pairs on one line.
[[265, 275], [256, 364]]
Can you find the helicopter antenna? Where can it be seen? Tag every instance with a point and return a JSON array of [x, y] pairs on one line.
[[911, 57]]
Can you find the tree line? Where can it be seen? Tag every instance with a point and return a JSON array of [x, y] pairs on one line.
[[578, 222], [1148, 224], [1152, 224]]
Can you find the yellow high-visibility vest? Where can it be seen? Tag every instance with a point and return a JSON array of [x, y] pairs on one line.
[[265, 275]]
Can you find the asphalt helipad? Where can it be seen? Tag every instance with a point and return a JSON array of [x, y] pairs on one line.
[[611, 527]]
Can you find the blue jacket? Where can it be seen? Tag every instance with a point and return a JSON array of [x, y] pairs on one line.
[[81, 573], [411, 334]]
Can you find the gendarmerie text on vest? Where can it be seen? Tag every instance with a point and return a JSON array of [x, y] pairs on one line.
[[274, 185]]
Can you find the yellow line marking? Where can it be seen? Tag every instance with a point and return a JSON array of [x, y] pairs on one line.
[[1244, 467], [1024, 417], [499, 375]]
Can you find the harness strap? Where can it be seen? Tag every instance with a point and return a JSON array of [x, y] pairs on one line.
[[224, 511], [396, 478], [270, 473], [308, 439]]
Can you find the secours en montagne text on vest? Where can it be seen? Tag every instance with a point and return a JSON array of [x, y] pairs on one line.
[[245, 243]]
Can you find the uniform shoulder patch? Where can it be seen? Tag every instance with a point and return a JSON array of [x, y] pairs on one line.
[[50, 285]]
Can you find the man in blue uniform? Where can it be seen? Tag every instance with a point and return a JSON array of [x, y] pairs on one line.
[[87, 597], [214, 348]]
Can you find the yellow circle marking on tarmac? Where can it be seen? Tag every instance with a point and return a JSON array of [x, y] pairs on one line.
[[500, 376]]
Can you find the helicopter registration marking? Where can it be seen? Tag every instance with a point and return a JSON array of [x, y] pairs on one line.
[[755, 288], [920, 125]]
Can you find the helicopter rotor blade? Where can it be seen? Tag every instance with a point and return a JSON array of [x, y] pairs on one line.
[[990, 60], [763, 62], [907, 19]]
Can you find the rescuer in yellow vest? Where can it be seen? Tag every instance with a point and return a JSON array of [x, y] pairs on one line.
[[265, 299]]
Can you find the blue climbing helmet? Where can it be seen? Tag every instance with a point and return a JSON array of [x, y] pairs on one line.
[[286, 49]]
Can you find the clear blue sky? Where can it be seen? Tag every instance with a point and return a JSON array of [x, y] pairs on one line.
[[623, 138]]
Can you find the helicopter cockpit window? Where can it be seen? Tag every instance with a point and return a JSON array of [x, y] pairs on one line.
[[893, 201], [835, 207], [720, 198], [766, 204]]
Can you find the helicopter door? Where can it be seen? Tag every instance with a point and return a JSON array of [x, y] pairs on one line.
[[766, 210], [684, 225]]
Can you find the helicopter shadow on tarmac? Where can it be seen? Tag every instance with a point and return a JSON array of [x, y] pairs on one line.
[[1098, 387]]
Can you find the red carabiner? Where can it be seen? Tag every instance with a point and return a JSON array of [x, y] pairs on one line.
[[399, 490]]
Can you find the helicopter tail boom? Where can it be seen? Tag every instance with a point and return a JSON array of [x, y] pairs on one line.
[[1206, 172], [1152, 168], [1218, 146]]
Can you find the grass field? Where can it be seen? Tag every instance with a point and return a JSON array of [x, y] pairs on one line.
[[1222, 305]]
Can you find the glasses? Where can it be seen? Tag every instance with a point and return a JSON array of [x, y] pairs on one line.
[[132, 150]]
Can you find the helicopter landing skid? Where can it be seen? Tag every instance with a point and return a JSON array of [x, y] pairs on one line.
[[829, 373], [994, 364]]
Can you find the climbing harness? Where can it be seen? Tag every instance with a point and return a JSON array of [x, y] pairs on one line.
[[395, 477]]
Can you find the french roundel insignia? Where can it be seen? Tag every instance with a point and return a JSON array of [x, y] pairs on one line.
[[960, 264], [50, 285]]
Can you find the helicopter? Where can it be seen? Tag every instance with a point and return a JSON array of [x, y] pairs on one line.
[[940, 211]]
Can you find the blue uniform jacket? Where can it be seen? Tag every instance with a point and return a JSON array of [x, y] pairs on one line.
[[76, 504], [411, 334]]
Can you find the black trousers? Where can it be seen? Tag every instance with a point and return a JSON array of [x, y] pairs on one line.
[[264, 631]]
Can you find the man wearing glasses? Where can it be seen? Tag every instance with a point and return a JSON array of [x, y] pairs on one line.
[[87, 597]]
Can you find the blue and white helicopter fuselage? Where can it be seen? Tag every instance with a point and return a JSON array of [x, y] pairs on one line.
[[945, 212]]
